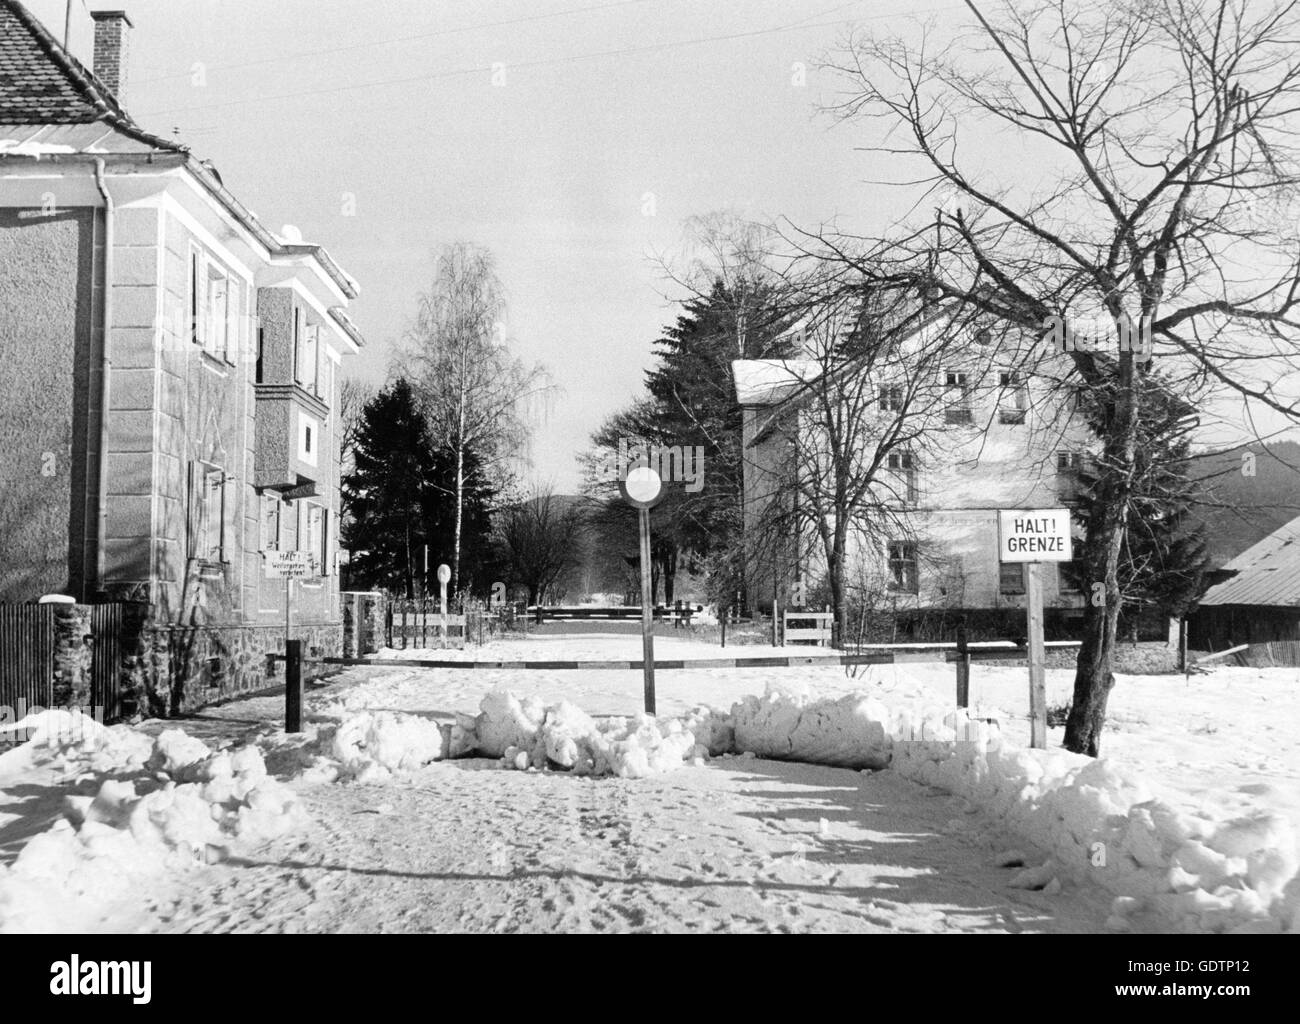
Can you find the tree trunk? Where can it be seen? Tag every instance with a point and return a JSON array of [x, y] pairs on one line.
[[460, 500], [1095, 670], [1094, 675]]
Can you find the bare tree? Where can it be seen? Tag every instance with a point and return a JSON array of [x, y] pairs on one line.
[[1159, 137], [353, 396], [539, 538], [881, 382], [474, 390]]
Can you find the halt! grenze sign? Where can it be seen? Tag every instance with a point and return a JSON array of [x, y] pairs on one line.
[[1034, 535]]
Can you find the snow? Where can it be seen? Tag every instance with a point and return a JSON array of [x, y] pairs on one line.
[[1150, 823], [864, 787], [147, 809], [520, 733], [12, 147]]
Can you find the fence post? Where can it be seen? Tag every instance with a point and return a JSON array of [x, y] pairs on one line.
[[963, 668], [293, 686]]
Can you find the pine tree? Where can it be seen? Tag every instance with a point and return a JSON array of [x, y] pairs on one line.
[[401, 496], [1164, 557]]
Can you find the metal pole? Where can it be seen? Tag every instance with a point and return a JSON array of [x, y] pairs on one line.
[[293, 686], [647, 615], [963, 669], [1037, 682]]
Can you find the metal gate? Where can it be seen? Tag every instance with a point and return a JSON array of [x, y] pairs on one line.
[[107, 669], [26, 656]]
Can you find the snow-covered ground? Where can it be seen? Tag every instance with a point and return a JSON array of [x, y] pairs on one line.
[[389, 842]]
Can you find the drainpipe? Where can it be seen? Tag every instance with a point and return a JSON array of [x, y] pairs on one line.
[[105, 376]]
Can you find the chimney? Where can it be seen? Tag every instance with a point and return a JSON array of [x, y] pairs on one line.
[[110, 49]]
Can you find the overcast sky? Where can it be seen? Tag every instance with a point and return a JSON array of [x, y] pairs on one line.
[[393, 101], [313, 108]]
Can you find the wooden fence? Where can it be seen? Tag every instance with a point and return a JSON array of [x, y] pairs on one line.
[[819, 632], [420, 624]]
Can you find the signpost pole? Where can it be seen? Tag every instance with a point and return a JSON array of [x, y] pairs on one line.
[[293, 686], [1037, 684], [963, 668], [647, 614]]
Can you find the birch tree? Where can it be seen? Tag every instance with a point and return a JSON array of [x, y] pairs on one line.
[[477, 394]]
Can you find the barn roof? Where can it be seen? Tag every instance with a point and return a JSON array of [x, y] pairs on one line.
[[1267, 573]]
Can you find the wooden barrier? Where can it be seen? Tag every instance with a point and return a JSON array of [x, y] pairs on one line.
[[819, 632]]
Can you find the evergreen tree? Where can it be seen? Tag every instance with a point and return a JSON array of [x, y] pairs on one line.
[[691, 403], [401, 496], [1164, 558]]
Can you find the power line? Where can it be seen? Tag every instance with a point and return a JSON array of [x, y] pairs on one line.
[[545, 62], [281, 58]]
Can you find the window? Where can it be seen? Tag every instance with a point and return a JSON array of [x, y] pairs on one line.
[[957, 408], [902, 566], [1014, 398], [316, 537], [1011, 578], [209, 306], [892, 399], [1070, 465], [307, 439], [208, 513], [271, 522], [306, 362], [900, 465]]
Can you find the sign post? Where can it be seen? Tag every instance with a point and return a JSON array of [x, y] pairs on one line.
[[290, 565], [643, 489], [1031, 537], [444, 574]]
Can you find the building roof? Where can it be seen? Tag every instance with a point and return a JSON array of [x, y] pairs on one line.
[[42, 84], [1267, 573], [770, 381], [53, 108]]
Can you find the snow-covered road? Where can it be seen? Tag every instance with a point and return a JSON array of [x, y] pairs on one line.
[[743, 844], [737, 843]]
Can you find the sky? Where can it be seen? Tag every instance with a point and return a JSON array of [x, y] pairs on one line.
[[572, 138]]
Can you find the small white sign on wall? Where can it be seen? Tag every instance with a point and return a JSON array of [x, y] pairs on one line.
[[1035, 535]]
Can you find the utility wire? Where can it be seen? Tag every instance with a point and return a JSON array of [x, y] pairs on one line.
[[544, 62]]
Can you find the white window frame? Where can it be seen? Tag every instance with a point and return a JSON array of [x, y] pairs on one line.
[[208, 508], [210, 285], [271, 503]]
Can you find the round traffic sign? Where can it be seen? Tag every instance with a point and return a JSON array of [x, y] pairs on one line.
[[444, 573], [642, 487]]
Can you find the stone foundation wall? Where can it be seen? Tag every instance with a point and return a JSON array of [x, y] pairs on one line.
[[363, 622], [179, 669]]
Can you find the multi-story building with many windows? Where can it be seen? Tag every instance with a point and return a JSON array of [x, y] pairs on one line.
[[170, 406]]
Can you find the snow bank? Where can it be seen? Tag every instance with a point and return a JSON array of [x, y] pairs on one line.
[[187, 805], [370, 746], [522, 733], [528, 733], [1168, 867]]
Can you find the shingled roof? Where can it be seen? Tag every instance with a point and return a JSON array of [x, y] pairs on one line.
[[42, 84]]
